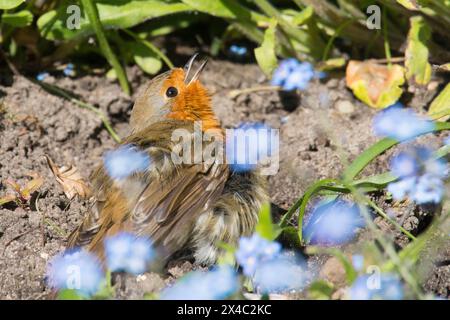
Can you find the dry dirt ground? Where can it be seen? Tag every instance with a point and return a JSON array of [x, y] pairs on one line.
[[314, 127]]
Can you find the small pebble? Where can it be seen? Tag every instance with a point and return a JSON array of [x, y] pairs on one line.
[[345, 106]]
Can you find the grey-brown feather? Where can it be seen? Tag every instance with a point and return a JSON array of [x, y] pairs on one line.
[[178, 206]]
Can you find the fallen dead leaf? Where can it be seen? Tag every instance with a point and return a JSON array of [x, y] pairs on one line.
[[375, 84], [70, 179]]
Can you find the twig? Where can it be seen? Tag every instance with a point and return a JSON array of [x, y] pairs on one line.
[[234, 93], [17, 237]]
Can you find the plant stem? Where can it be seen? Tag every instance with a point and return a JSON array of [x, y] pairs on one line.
[[58, 91], [152, 47], [385, 216], [92, 13], [387, 49]]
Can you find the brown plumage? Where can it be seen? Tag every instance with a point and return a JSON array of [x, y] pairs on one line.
[[178, 206]]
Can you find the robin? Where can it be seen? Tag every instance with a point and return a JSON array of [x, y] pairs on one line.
[[179, 206]]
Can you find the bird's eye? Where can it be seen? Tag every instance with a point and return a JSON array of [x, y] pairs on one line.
[[171, 92]]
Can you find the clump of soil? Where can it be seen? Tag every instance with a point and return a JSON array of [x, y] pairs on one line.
[[319, 129]]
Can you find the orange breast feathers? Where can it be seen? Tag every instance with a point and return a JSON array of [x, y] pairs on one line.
[[193, 101]]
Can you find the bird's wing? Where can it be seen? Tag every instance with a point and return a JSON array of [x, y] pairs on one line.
[[168, 212], [165, 209]]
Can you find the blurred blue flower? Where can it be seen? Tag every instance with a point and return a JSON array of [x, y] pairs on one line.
[[124, 161], [238, 50], [429, 189], [402, 188], [447, 141], [376, 287], [401, 124], [280, 274], [128, 252], [68, 70], [254, 250], [404, 165], [421, 176], [292, 74], [75, 269], [41, 76], [358, 262], [332, 223], [217, 284], [249, 144]]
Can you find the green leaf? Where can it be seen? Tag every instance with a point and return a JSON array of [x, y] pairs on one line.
[[265, 54], [440, 107], [145, 58], [320, 290], [225, 9], [416, 55], [93, 14], [265, 228], [113, 14], [303, 16], [69, 294], [18, 19], [10, 4]]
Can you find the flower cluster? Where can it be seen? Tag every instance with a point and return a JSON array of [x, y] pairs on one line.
[[283, 274], [253, 251], [400, 123], [292, 74], [420, 176], [249, 144], [129, 253], [76, 270], [333, 223], [219, 283], [375, 286], [124, 161]]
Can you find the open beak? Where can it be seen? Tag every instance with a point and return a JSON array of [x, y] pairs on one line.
[[188, 69]]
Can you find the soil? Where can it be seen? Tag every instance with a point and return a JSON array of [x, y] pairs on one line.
[[319, 129]]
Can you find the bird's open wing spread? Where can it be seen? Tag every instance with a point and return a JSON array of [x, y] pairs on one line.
[[162, 204]]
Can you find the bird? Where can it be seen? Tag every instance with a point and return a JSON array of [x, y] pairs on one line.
[[180, 207]]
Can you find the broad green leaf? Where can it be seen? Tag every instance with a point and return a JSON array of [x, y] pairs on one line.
[[320, 290], [416, 55], [440, 107], [303, 16], [113, 14], [409, 4], [226, 9], [145, 58], [265, 54], [18, 19], [10, 4], [265, 228], [378, 86]]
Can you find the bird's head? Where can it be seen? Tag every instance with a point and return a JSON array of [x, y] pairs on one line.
[[175, 94]]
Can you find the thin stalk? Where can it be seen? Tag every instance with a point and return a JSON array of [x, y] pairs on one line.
[[152, 47], [58, 91], [92, 13], [385, 216], [387, 49]]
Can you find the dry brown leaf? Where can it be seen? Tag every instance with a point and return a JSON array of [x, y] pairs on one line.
[[31, 186], [70, 179], [375, 84]]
